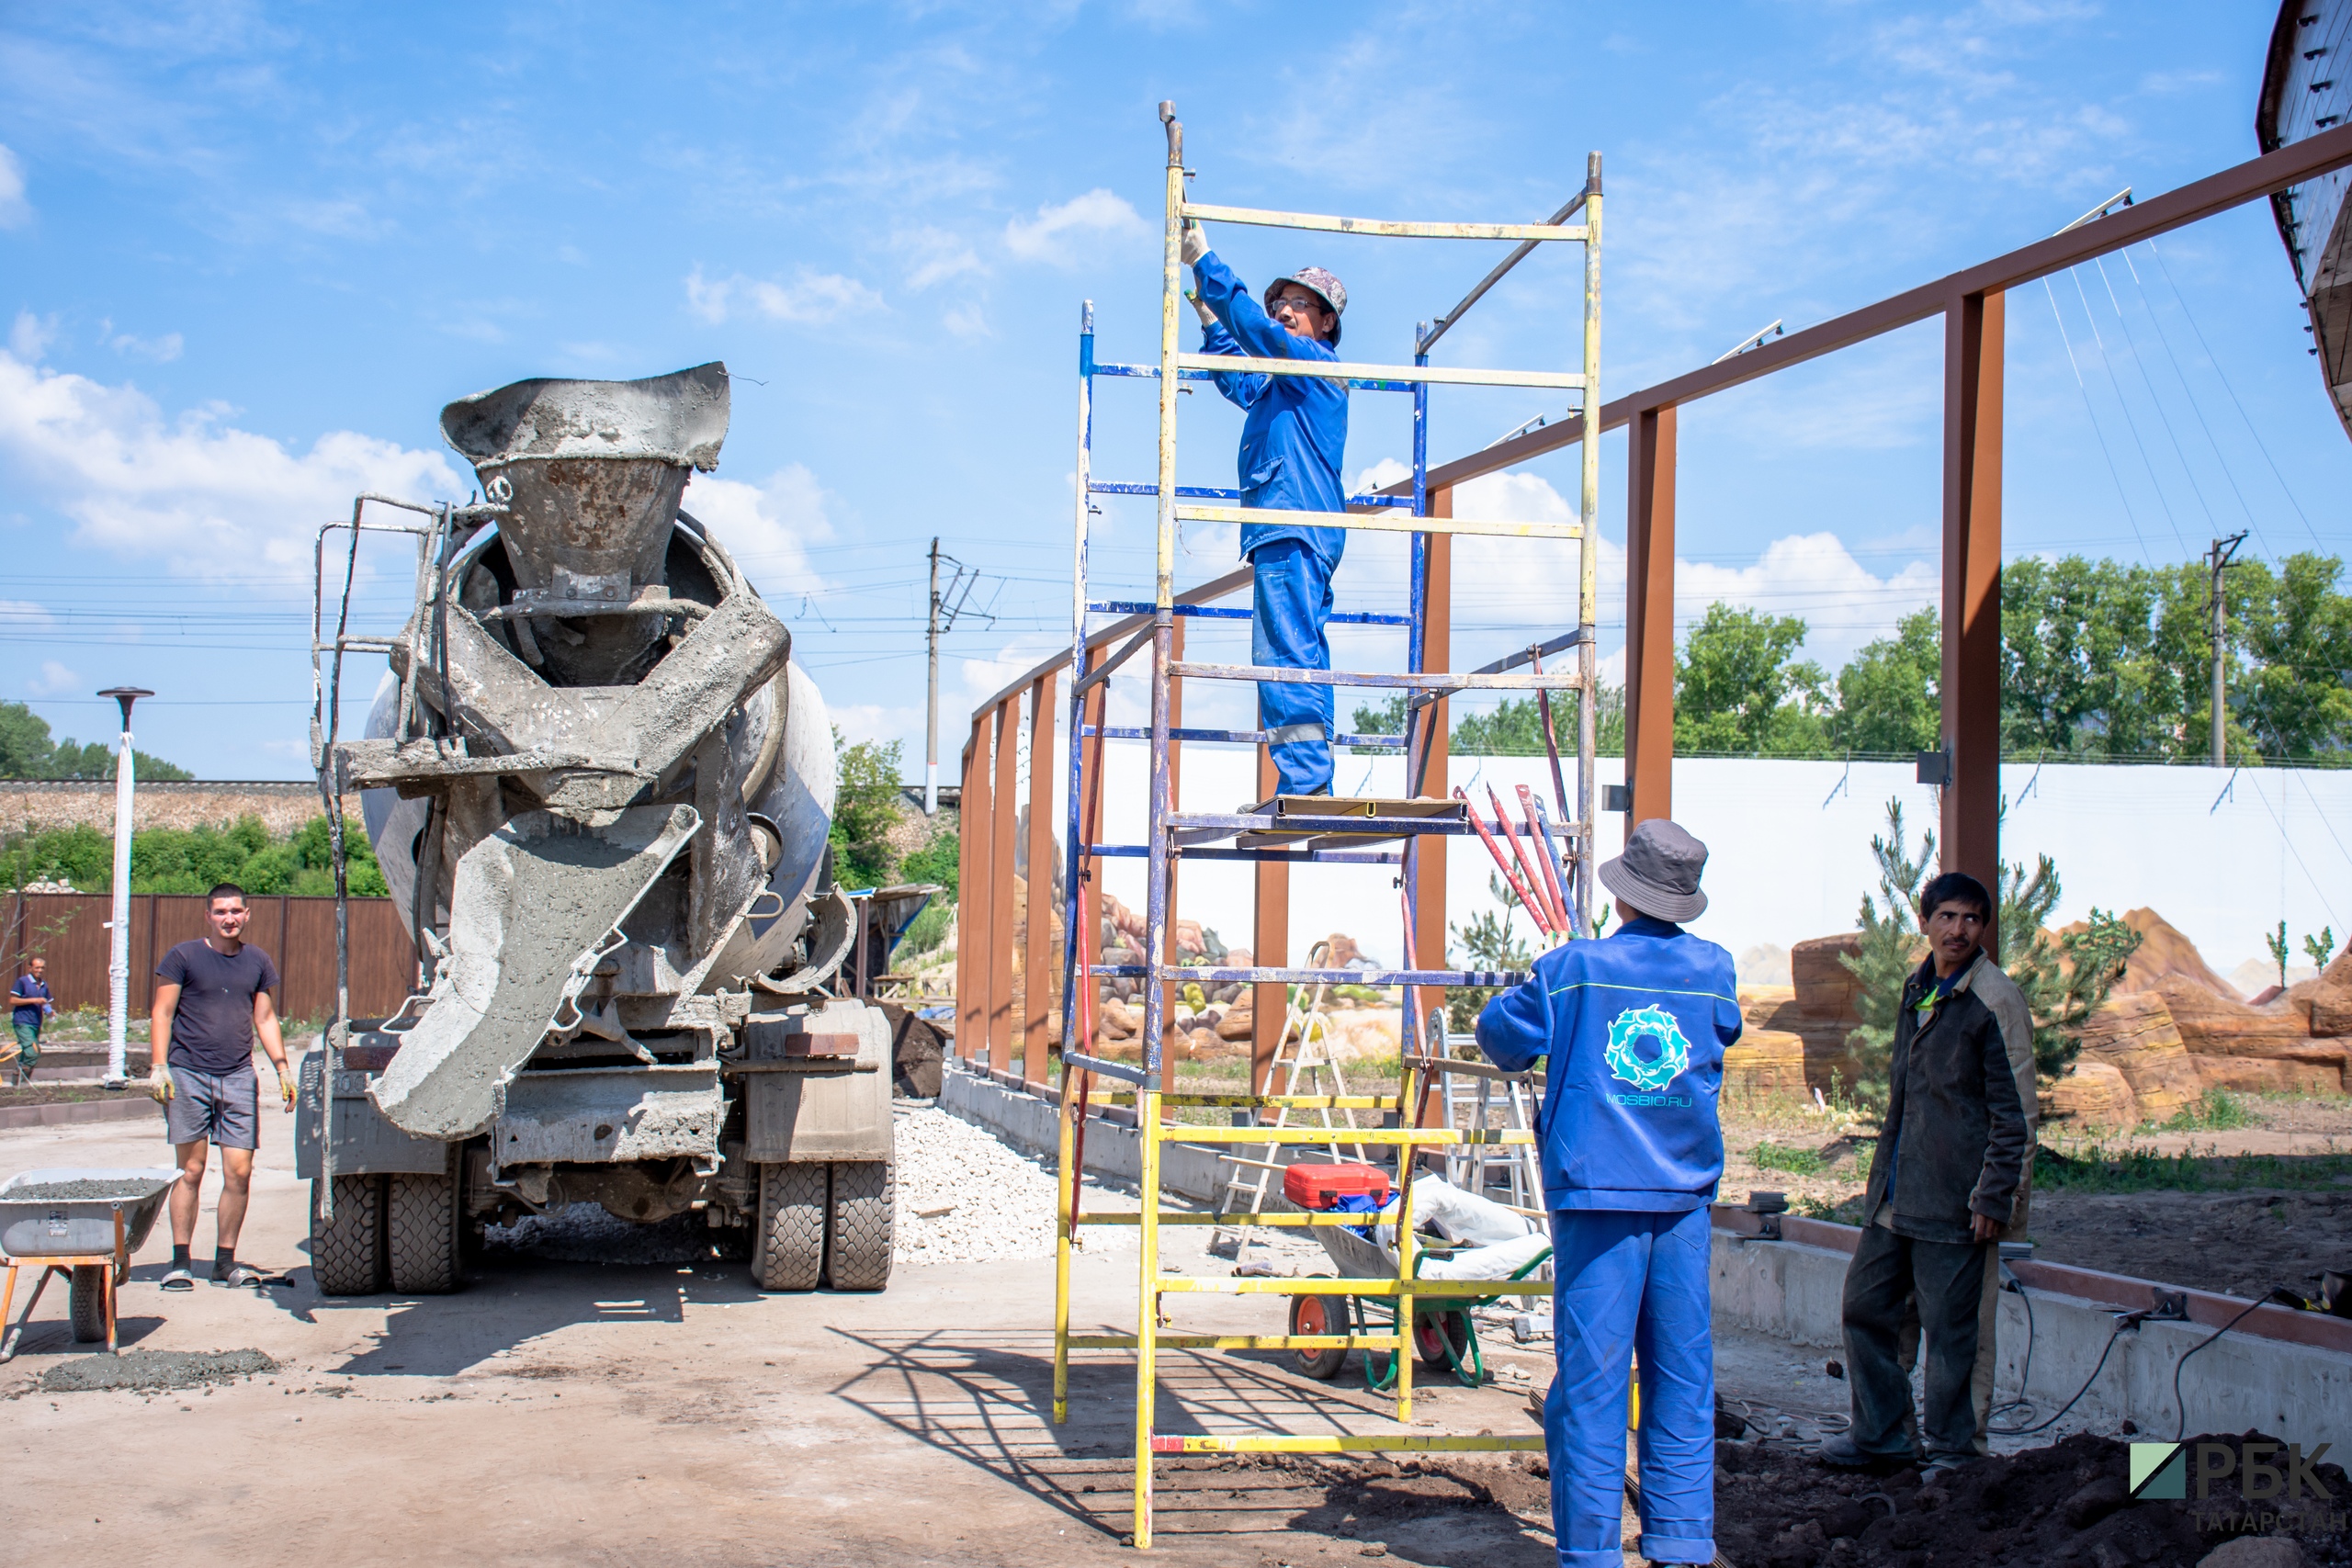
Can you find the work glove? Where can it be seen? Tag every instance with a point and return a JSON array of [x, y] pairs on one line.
[[286, 1085], [1195, 243], [159, 1083]]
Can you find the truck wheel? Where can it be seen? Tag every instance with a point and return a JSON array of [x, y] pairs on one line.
[[420, 1233], [89, 1302], [788, 1252], [860, 1226], [347, 1252]]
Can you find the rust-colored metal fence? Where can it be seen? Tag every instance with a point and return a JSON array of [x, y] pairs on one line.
[[70, 930]]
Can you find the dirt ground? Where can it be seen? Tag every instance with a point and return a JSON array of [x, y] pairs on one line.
[[570, 1413], [2282, 1217]]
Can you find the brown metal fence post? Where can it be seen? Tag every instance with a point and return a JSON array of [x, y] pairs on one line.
[[1973, 331], [1090, 890], [1037, 955], [1269, 943], [1004, 811], [1649, 617], [972, 896], [1429, 765]]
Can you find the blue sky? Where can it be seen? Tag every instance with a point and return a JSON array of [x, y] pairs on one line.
[[246, 254]]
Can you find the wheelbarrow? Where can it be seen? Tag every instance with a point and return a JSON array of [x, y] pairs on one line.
[[87, 1239], [1443, 1336]]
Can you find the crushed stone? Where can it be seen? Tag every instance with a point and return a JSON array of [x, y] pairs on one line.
[[964, 1197], [58, 1191], [154, 1368]]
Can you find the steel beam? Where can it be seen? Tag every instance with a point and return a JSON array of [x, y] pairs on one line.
[[972, 903], [1268, 944], [1003, 811], [1425, 856], [1971, 588], [1038, 950], [1649, 617]]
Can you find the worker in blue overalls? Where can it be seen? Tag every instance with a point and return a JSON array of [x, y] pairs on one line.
[[1636, 1026], [1291, 445]]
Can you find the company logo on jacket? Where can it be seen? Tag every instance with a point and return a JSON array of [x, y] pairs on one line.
[[1651, 1074]]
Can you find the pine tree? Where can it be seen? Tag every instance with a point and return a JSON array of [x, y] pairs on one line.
[[1891, 948]]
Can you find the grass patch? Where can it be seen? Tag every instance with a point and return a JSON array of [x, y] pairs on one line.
[[1837, 1211], [2215, 1111], [1769, 1155], [2140, 1168]]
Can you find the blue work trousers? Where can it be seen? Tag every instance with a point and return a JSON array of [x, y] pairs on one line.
[[1293, 603], [1626, 1284]]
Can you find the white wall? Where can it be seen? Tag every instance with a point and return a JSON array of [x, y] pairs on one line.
[[2223, 858]]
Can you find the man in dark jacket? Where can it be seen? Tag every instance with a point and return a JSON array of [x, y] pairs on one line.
[[1943, 1185], [1634, 1026], [1291, 446]]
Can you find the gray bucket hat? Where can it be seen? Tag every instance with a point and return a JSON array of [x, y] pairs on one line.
[[1320, 284], [1659, 872]]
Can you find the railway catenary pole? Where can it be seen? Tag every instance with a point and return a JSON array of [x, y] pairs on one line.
[[2218, 558], [119, 962], [930, 724]]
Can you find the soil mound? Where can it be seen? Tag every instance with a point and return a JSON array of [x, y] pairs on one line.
[[2067, 1503]]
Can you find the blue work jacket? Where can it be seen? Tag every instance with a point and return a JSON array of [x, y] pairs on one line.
[[1635, 1025], [1297, 428]]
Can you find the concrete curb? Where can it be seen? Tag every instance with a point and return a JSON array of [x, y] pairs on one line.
[[133, 1104]]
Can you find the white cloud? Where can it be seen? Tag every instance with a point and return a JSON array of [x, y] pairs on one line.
[[768, 527], [935, 255], [879, 721], [20, 615], [1064, 235], [156, 350], [54, 678], [969, 321], [15, 210], [210, 498], [811, 298], [29, 338]]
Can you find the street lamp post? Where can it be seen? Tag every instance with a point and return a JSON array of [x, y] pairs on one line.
[[118, 966]]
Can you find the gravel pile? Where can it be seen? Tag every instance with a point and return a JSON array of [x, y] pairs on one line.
[[962, 1197], [62, 1191], [154, 1368]]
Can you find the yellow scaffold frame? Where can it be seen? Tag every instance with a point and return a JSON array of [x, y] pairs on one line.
[[1146, 1097]]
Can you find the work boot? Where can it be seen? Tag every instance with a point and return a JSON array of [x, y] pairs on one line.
[[1839, 1451]]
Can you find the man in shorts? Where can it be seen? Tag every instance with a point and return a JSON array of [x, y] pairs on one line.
[[213, 1000]]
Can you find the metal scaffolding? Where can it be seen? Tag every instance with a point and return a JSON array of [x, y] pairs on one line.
[[1318, 832]]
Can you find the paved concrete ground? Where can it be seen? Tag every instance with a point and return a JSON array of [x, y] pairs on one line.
[[577, 1413]]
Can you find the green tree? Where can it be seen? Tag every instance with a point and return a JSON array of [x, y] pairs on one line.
[[866, 805], [1512, 728], [1890, 947], [1484, 943], [1739, 688], [2064, 981], [2293, 698], [1888, 695], [2320, 948], [27, 752]]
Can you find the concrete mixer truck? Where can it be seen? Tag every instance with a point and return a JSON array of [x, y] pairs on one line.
[[600, 791]]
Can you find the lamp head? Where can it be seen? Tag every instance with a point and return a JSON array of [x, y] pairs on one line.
[[126, 695]]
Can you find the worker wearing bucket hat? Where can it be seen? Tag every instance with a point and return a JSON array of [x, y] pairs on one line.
[[1291, 446], [1636, 1026]]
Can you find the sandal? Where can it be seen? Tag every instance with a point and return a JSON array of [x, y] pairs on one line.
[[242, 1274], [179, 1278]]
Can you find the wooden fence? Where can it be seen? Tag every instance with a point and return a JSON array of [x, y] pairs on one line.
[[70, 930]]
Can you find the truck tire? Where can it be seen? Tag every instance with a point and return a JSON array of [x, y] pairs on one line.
[[89, 1303], [858, 1238], [788, 1250], [421, 1234], [347, 1252]]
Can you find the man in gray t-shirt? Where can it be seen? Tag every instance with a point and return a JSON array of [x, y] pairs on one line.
[[211, 999]]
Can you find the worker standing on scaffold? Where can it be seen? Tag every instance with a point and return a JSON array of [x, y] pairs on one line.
[[1636, 1026], [1291, 446]]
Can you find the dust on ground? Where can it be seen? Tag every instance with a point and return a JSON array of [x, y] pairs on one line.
[[154, 1370]]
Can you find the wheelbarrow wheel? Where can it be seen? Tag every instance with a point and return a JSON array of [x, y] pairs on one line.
[[89, 1303], [1442, 1338], [1320, 1315]]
